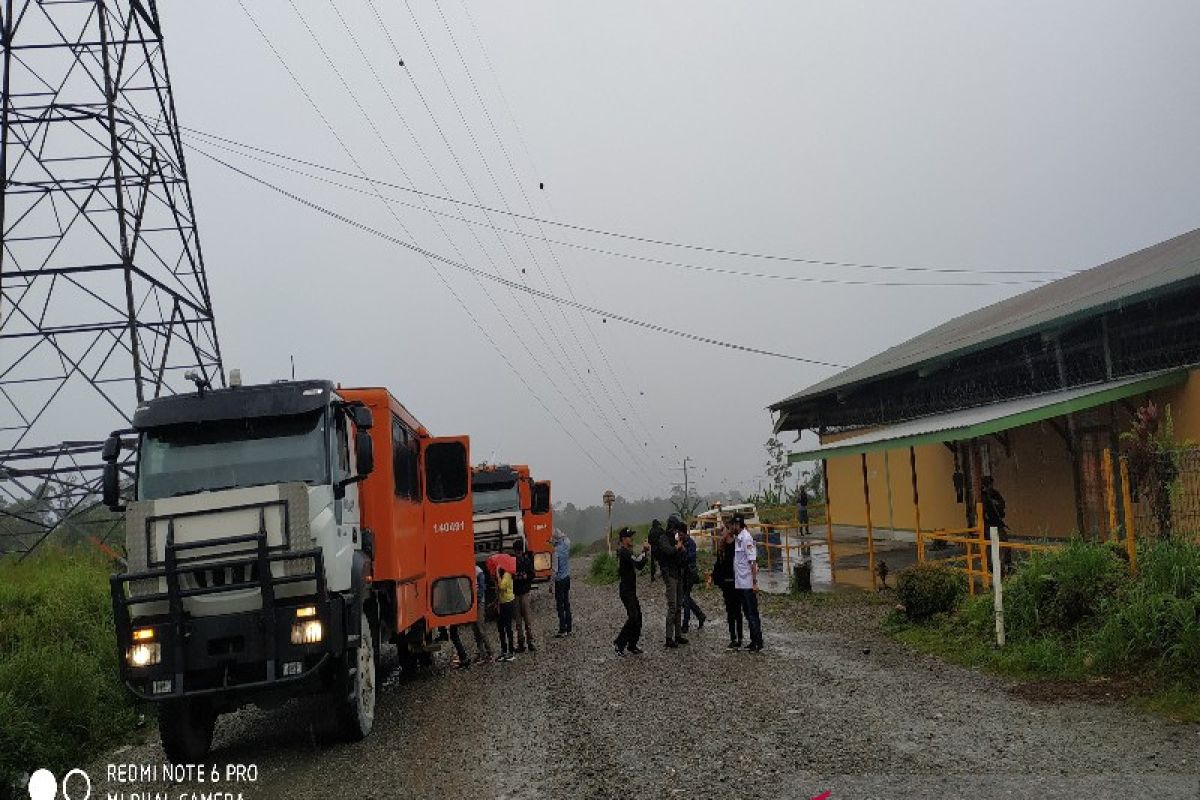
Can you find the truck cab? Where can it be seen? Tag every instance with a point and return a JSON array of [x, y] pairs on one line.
[[251, 543], [510, 505]]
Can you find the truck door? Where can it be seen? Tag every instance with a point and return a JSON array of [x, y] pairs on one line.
[[449, 534], [541, 528]]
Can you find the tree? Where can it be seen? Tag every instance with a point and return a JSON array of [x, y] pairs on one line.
[[1153, 457], [779, 469], [684, 502]]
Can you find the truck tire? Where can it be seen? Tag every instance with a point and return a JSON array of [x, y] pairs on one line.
[[356, 703], [186, 730]]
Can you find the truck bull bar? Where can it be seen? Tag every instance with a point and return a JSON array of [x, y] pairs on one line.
[[181, 656]]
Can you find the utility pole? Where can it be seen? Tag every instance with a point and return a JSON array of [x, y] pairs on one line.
[[609, 499], [686, 485]]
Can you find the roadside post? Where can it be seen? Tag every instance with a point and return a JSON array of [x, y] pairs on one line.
[[997, 585], [609, 499]]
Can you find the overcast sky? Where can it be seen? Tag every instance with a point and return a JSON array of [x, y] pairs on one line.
[[1004, 135]]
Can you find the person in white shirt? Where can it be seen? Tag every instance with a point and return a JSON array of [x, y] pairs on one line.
[[745, 580]]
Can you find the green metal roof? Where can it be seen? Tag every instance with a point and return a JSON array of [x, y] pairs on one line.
[[969, 423], [1154, 271]]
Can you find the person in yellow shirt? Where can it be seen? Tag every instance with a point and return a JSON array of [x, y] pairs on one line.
[[505, 599]]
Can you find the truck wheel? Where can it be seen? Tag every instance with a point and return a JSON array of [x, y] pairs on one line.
[[186, 729], [356, 705]]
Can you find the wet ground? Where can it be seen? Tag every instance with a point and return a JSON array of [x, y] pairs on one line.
[[831, 705]]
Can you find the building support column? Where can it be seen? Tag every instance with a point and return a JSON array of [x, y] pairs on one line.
[[870, 529]]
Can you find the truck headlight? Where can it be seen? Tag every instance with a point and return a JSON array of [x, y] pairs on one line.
[[310, 631], [144, 654], [541, 561]]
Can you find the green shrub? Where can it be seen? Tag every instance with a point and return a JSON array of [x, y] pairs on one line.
[[60, 694], [1059, 591], [928, 589], [1170, 567], [604, 569]]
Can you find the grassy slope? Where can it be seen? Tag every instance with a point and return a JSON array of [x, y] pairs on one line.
[[60, 696], [1137, 640]]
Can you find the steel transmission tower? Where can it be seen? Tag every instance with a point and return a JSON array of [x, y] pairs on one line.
[[104, 300]]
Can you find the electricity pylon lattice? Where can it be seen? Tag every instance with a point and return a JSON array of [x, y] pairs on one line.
[[104, 300]]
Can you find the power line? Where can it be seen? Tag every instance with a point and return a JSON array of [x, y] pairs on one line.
[[633, 453], [543, 295], [590, 396], [445, 282], [807, 279], [632, 237], [541, 230]]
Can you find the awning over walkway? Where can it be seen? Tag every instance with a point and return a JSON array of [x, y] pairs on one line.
[[969, 423]]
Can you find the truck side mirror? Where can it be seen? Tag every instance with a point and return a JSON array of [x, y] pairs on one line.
[[363, 419], [111, 486], [112, 449], [364, 451]]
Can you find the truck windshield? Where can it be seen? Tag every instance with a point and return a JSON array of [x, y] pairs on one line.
[[492, 498], [209, 456]]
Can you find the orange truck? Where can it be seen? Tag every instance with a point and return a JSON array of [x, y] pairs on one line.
[[510, 505], [276, 536]]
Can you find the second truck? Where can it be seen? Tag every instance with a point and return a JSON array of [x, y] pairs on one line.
[[508, 506]]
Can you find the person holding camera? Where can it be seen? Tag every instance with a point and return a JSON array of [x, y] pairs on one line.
[[670, 556], [627, 566]]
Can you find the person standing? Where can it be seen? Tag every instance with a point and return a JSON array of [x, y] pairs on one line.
[[505, 600], [669, 553], [522, 585], [483, 648], [722, 576], [627, 566], [690, 578], [560, 570], [802, 511], [745, 580], [993, 517], [656, 532], [464, 660]]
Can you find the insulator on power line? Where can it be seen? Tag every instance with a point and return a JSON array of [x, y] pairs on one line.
[[541, 185]]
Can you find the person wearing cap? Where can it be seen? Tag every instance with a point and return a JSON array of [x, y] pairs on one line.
[[745, 580], [670, 555], [627, 566]]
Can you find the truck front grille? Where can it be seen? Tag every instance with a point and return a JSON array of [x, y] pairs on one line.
[[225, 576]]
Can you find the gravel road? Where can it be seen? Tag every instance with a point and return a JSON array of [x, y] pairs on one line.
[[831, 705]]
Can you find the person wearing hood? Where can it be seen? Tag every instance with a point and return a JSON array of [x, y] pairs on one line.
[[668, 551], [560, 572], [656, 531]]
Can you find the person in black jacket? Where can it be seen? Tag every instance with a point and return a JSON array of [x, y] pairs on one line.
[[722, 576], [522, 585], [627, 566], [656, 532], [670, 555]]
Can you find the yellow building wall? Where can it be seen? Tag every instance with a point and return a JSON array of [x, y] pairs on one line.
[[1185, 407], [935, 488], [1035, 476]]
